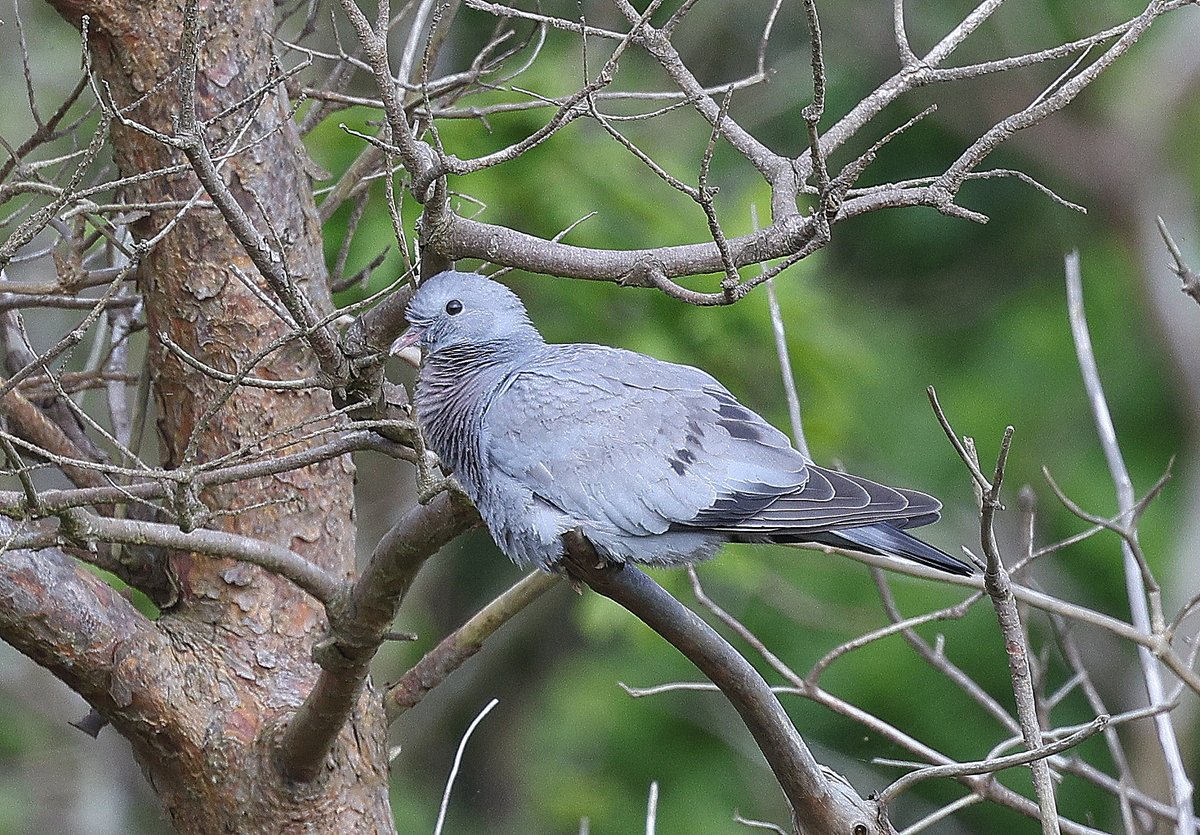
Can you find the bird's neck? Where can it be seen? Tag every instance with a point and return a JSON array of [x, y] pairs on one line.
[[453, 391]]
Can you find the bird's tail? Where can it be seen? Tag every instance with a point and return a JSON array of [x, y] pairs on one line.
[[888, 540]]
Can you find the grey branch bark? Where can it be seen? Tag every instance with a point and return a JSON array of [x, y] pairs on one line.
[[454, 650], [822, 803], [358, 626], [1135, 588]]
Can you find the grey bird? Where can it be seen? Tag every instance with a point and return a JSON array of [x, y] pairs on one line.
[[655, 462]]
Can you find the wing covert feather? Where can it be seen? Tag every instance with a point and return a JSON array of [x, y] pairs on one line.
[[645, 446], [613, 437]]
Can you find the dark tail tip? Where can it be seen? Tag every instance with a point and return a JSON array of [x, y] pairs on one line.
[[886, 540]]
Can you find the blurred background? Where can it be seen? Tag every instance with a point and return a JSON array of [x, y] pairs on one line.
[[898, 301]]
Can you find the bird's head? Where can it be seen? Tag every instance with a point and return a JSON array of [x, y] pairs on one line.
[[454, 309]]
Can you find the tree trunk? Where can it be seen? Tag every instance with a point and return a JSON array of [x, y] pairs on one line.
[[234, 656]]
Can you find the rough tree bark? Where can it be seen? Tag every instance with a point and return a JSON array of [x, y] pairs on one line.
[[231, 651]]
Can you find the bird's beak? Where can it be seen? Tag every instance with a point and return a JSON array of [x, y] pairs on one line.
[[406, 340]]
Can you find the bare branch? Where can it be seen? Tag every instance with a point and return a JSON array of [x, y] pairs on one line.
[[813, 112], [774, 168], [1189, 277], [86, 530], [952, 179], [785, 370], [358, 625], [419, 159], [823, 805], [986, 788], [453, 650], [999, 589], [1181, 785], [935, 657], [972, 465], [993, 764], [458, 755]]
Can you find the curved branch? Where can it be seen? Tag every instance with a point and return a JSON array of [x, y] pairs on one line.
[[820, 802], [71, 622], [458, 237], [993, 764], [86, 529], [1145, 606], [359, 624]]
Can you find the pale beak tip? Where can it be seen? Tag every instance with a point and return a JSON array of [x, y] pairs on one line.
[[405, 340]]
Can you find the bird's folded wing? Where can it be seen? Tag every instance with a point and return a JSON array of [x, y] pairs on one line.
[[620, 439], [628, 455]]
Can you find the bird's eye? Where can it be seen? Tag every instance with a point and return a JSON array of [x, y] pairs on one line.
[[454, 307]]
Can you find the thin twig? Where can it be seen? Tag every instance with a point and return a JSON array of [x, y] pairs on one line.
[[652, 808], [458, 755], [1140, 609], [1189, 277], [972, 465], [813, 111], [785, 371], [1000, 589], [993, 764], [756, 824]]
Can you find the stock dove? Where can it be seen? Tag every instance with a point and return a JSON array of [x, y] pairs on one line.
[[655, 462]]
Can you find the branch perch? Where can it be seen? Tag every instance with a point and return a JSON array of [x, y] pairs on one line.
[[822, 804], [359, 625]]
